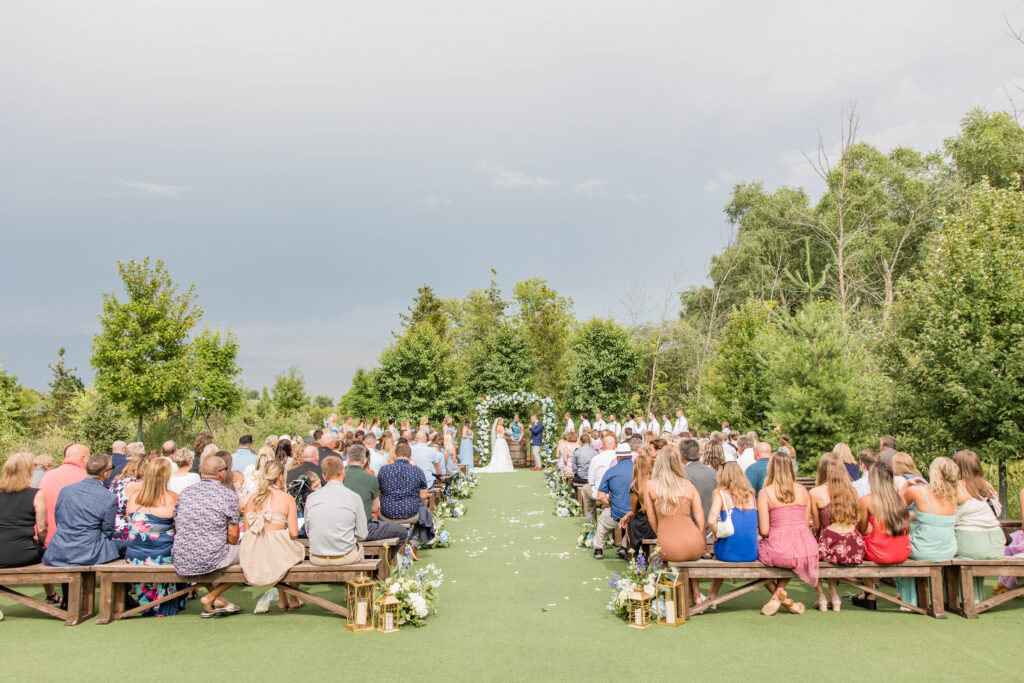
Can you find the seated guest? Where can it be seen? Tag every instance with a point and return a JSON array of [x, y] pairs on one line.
[[636, 524], [269, 549], [704, 479], [310, 468], [22, 514], [979, 535], [784, 515], [206, 532], [151, 533], [118, 458], [734, 498], [613, 497], [85, 520], [834, 515], [745, 444], [328, 445], [366, 486], [120, 486], [253, 473], [932, 528], [376, 458], [71, 471], [244, 456], [1014, 548], [199, 449], [184, 476], [758, 472], [884, 523], [713, 455], [849, 462], [867, 458], [675, 510], [564, 450], [42, 464], [403, 492], [426, 458], [336, 517], [905, 472]]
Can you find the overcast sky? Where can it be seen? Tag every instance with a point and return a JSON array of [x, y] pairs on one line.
[[309, 164]]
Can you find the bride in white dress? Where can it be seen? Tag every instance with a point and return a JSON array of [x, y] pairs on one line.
[[501, 459]]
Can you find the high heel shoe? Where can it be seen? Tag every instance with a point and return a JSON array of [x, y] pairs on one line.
[[837, 602], [821, 604]]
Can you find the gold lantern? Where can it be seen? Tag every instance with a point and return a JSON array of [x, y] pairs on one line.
[[639, 609], [359, 603], [671, 607], [387, 613]]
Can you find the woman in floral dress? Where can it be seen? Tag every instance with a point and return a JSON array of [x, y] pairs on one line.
[[835, 513]]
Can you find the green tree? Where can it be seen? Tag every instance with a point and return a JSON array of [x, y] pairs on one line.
[[605, 363], [955, 355], [289, 391], [545, 320], [737, 385], [426, 308], [98, 422], [476, 315], [989, 144], [361, 398], [818, 375], [215, 371], [265, 406], [323, 402], [10, 417], [503, 363], [64, 386], [141, 353], [418, 375]]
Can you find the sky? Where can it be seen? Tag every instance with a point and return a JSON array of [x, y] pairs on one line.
[[308, 165]]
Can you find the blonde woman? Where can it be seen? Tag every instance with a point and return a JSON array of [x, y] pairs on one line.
[[268, 549], [150, 511], [835, 513], [566, 447], [905, 472], [932, 528], [784, 517], [713, 455], [22, 516], [387, 444], [251, 472], [849, 462], [978, 533], [734, 498]]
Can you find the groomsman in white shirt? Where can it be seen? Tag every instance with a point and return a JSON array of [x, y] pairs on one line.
[[631, 423], [584, 422], [666, 425], [599, 423], [681, 426], [614, 425], [570, 426]]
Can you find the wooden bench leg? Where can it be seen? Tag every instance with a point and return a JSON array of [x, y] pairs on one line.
[[937, 603], [684, 575], [967, 597], [75, 594], [106, 612], [951, 582]]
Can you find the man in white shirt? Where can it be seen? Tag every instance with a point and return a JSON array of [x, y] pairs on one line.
[[570, 426], [631, 423], [599, 423], [867, 459], [614, 425], [666, 426], [375, 459], [599, 464], [746, 447], [732, 453], [426, 458], [584, 422], [681, 426]]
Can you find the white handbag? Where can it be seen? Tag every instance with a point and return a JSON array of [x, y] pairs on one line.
[[725, 527]]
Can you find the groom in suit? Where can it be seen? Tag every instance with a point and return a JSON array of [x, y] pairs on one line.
[[536, 437]]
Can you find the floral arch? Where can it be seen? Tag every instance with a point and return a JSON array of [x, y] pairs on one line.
[[546, 415]]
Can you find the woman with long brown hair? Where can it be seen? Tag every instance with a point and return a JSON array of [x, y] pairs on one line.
[[884, 523], [834, 515], [734, 500], [905, 472], [271, 523], [783, 518], [712, 454], [932, 534], [978, 533], [635, 522], [150, 512]]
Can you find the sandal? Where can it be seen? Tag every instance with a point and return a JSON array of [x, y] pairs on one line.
[[53, 599], [793, 607], [822, 604], [773, 605]]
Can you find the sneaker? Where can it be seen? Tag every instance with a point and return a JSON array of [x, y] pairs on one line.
[[598, 554], [621, 552]]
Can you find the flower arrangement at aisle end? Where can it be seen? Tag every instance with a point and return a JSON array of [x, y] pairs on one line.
[[415, 590], [642, 575], [587, 532], [442, 537], [566, 504], [463, 486], [450, 508]]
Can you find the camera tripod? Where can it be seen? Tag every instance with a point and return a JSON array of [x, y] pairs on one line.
[[199, 411]]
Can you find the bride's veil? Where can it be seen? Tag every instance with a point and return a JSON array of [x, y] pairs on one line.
[[494, 432]]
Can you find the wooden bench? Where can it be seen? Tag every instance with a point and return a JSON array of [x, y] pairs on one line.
[[960, 574], [81, 590], [372, 550], [114, 578], [927, 575]]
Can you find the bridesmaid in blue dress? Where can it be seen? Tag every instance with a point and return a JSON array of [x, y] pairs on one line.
[[733, 498], [466, 445], [150, 512]]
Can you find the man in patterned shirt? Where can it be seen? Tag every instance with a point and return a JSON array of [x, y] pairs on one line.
[[206, 533]]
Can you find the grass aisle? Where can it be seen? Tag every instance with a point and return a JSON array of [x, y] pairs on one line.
[[519, 602]]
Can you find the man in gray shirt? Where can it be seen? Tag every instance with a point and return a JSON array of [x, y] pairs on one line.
[[335, 519], [703, 478], [581, 458]]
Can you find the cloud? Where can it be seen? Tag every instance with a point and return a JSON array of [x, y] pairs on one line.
[[637, 198], [590, 188], [432, 201], [149, 190], [507, 178], [721, 178]]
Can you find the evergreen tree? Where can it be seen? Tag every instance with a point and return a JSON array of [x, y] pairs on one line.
[[290, 391], [362, 397], [545, 320], [605, 363], [426, 308], [64, 386]]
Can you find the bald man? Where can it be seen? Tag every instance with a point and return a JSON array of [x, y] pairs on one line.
[[310, 466], [71, 471]]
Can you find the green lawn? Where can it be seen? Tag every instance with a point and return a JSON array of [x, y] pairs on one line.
[[519, 602]]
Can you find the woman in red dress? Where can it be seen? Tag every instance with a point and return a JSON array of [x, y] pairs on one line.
[[885, 524]]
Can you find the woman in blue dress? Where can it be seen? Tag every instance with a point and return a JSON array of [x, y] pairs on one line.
[[733, 498], [150, 512], [466, 445]]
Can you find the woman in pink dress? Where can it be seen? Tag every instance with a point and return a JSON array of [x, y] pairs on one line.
[[566, 447], [784, 515]]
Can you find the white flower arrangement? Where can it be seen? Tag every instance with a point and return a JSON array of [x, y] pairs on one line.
[[546, 415], [416, 590]]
